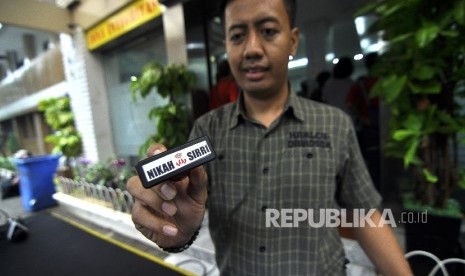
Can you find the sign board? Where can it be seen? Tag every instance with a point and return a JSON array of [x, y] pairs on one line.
[[123, 21]]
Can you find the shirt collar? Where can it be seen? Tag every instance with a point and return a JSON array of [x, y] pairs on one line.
[[293, 108]]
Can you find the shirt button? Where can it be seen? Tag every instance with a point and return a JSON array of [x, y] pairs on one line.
[[309, 155], [265, 170], [262, 249], [220, 157], [264, 208]]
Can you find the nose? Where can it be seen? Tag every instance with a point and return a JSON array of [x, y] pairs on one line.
[[253, 46]]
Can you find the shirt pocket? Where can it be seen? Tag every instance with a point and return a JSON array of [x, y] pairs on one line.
[[306, 177]]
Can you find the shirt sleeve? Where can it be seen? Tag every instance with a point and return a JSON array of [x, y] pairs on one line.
[[355, 187], [195, 132]]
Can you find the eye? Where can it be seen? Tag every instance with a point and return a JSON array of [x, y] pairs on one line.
[[236, 37], [269, 32]]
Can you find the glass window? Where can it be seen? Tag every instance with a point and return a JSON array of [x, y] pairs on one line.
[[131, 126]]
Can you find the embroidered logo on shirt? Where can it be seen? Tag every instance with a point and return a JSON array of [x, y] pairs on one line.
[[303, 139]]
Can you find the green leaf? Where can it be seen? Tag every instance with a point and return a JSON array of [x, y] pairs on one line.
[[423, 72], [387, 10], [401, 38], [402, 134], [450, 34], [462, 181], [368, 8], [414, 122], [172, 109], [411, 152], [425, 88], [430, 177], [459, 13], [448, 120], [391, 87], [427, 34]]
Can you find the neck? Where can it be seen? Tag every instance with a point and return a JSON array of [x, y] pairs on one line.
[[266, 110]]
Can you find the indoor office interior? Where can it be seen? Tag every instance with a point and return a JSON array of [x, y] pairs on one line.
[[78, 222]]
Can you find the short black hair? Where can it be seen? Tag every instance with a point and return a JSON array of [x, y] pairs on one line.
[[322, 77], [370, 59], [223, 69], [291, 9], [344, 68]]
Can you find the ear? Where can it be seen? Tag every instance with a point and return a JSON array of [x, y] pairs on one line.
[[294, 41]]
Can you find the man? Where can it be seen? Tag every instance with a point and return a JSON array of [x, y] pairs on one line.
[[365, 111], [275, 151]]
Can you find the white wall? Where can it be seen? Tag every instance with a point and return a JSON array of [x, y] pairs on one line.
[[88, 97]]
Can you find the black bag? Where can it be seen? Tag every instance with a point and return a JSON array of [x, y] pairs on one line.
[[10, 187]]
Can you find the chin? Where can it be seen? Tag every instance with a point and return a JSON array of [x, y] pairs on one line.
[[259, 93]]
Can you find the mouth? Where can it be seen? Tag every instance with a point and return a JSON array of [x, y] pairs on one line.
[[255, 73]]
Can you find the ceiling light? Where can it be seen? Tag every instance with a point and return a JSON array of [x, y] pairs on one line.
[[330, 56], [298, 63], [195, 46], [360, 25], [358, 57]]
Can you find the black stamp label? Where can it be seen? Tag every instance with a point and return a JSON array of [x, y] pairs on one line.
[[166, 165]]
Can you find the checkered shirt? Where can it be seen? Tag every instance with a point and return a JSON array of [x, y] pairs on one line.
[[308, 158]]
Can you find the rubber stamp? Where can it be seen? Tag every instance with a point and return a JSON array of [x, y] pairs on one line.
[[174, 162]]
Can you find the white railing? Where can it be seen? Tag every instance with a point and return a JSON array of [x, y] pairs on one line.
[[116, 199]]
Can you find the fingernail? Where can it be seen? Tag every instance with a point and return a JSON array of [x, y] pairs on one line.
[[169, 209], [170, 230], [157, 151], [168, 191]]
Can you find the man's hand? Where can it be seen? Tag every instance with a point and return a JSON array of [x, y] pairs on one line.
[[171, 212]]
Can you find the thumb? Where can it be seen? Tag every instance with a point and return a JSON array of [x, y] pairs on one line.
[[197, 188]]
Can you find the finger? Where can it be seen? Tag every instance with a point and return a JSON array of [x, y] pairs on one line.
[[169, 208], [165, 191], [169, 189], [154, 226], [150, 197], [134, 186], [155, 149]]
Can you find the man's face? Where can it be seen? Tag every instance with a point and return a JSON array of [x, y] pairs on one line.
[[259, 41]]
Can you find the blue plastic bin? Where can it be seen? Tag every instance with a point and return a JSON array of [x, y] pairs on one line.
[[36, 181]]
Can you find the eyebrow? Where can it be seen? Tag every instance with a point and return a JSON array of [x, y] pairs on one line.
[[259, 22]]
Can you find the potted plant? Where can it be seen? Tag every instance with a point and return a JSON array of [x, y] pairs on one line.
[[112, 173], [66, 139], [422, 81], [172, 120]]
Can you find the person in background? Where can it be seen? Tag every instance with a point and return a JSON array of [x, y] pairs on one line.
[[275, 151], [336, 88], [303, 89], [321, 80], [225, 90], [365, 110]]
